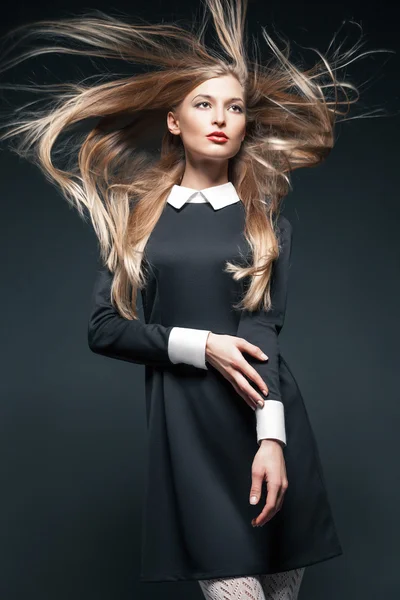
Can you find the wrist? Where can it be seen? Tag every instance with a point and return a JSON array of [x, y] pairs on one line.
[[208, 341], [271, 442]]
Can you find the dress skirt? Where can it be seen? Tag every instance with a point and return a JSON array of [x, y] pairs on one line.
[[197, 515]]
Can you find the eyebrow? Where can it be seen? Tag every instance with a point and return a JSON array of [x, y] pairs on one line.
[[212, 98]]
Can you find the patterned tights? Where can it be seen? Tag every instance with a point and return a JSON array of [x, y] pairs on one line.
[[276, 586]]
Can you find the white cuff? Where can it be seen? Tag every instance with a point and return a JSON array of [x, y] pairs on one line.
[[186, 345], [271, 421]]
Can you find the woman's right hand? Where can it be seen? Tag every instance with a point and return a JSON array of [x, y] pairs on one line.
[[224, 352]]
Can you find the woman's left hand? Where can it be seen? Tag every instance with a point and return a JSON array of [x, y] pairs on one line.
[[269, 466]]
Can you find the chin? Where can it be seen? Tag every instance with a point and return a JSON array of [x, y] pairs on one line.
[[217, 151]]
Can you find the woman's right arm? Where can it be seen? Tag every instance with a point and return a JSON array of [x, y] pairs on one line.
[[110, 334]]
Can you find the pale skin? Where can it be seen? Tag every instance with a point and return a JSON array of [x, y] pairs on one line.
[[218, 104]]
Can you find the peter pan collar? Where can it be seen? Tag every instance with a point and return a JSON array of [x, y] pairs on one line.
[[218, 195]]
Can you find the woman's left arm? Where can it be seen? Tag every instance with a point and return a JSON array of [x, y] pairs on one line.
[[262, 329]]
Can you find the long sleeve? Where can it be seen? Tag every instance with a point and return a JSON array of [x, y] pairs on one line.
[[189, 346], [110, 334], [262, 329]]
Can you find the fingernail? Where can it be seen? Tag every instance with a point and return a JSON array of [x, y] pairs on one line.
[[253, 500], [260, 403], [265, 392], [264, 356]]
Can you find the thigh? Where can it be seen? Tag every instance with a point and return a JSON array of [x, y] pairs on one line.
[[282, 586], [232, 588]]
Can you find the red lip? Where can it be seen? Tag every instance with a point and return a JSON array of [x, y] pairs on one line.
[[218, 134]]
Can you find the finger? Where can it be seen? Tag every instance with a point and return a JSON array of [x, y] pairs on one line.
[[269, 509], [253, 375], [244, 385], [281, 497], [248, 400], [239, 384], [256, 487], [257, 399], [251, 349], [279, 500]]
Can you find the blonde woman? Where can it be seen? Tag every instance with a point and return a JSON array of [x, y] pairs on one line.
[[235, 495]]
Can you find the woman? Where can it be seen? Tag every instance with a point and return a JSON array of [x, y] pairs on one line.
[[235, 495]]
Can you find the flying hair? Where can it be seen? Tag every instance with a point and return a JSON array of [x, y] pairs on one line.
[[110, 177]]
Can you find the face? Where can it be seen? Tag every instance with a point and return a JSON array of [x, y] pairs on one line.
[[216, 105]]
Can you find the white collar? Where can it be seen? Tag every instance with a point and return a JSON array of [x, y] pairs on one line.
[[218, 195]]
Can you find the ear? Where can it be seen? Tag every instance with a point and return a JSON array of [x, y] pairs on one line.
[[173, 123]]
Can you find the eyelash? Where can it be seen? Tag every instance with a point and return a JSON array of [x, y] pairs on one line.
[[205, 102]]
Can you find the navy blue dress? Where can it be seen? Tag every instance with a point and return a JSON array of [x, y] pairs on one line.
[[201, 433]]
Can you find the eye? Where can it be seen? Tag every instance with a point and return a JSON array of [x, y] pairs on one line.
[[239, 107], [233, 105]]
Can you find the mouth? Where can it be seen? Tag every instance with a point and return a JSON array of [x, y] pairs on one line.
[[217, 137]]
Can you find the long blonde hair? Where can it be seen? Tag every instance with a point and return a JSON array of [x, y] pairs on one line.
[[111, 179]]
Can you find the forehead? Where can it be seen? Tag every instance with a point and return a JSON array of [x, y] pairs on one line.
[[220, 87]]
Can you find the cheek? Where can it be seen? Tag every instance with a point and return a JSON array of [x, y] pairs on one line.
[[195, 124], [200, 121], [239, 128]]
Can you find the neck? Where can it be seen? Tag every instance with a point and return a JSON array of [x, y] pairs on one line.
[[204, 174]]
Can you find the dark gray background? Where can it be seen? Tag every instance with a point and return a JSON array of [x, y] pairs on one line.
[[73, 429]]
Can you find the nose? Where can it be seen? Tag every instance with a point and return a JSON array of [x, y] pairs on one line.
[[218, 117]]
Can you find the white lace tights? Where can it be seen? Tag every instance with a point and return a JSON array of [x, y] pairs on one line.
[[276, 586]]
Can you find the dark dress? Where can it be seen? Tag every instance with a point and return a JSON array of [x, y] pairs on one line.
[[202, 434]]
